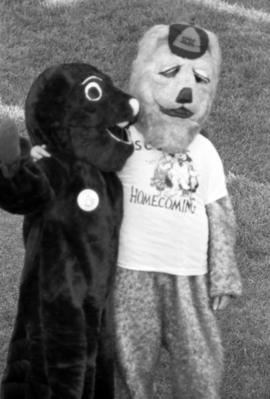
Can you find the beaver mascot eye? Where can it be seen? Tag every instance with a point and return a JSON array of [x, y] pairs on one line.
[[93, 91], [170, 72], [201, 77]]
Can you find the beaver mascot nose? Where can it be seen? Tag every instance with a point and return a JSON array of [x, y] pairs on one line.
[[184, 96]]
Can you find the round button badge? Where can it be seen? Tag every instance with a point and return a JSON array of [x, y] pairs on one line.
[[88, 200]]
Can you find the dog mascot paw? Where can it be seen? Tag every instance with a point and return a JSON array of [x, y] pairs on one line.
[[176, 252], [61, 344]]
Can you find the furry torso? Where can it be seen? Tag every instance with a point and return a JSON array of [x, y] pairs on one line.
[[77, 230]]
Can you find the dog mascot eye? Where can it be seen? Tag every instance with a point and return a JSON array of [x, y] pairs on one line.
[[93, 91]]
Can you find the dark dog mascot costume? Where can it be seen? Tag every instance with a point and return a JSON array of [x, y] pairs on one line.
[[61, 344]]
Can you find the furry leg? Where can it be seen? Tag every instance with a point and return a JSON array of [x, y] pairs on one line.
[[104, 384], [192, 338], [138, 333]]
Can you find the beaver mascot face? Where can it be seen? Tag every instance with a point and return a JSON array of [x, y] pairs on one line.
[[175, 77]]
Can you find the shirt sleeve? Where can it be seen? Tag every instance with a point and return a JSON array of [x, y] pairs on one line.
[[216, 187]]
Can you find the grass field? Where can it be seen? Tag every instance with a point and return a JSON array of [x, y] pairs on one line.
[[35, 34]]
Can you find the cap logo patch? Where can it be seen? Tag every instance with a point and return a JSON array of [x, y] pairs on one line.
[[187, 41]]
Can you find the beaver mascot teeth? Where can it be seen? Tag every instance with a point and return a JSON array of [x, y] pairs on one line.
[[61, 346], [176, 254]]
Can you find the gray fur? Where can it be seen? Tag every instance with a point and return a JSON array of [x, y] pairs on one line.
[[224, 277], [152, 309]]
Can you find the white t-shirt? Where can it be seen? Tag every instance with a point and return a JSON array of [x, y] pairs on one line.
[[165, 226]]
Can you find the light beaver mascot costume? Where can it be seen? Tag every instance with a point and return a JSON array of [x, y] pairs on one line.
[[176, 257], [62, 346]]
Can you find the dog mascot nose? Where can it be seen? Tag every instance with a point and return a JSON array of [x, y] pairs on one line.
[[184, 96]]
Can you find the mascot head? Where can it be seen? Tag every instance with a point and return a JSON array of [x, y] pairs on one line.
[[175, 78], [75, 109]]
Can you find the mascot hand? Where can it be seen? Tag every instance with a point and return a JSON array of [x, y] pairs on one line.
[[221, 302], [39, 152], [9, 147]]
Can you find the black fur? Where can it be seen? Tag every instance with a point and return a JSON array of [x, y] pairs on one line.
[[61, 347]]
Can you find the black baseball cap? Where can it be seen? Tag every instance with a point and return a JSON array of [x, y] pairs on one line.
[[187, 41]]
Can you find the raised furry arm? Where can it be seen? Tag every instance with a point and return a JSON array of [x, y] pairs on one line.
[[28, 189], [24, 187]]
